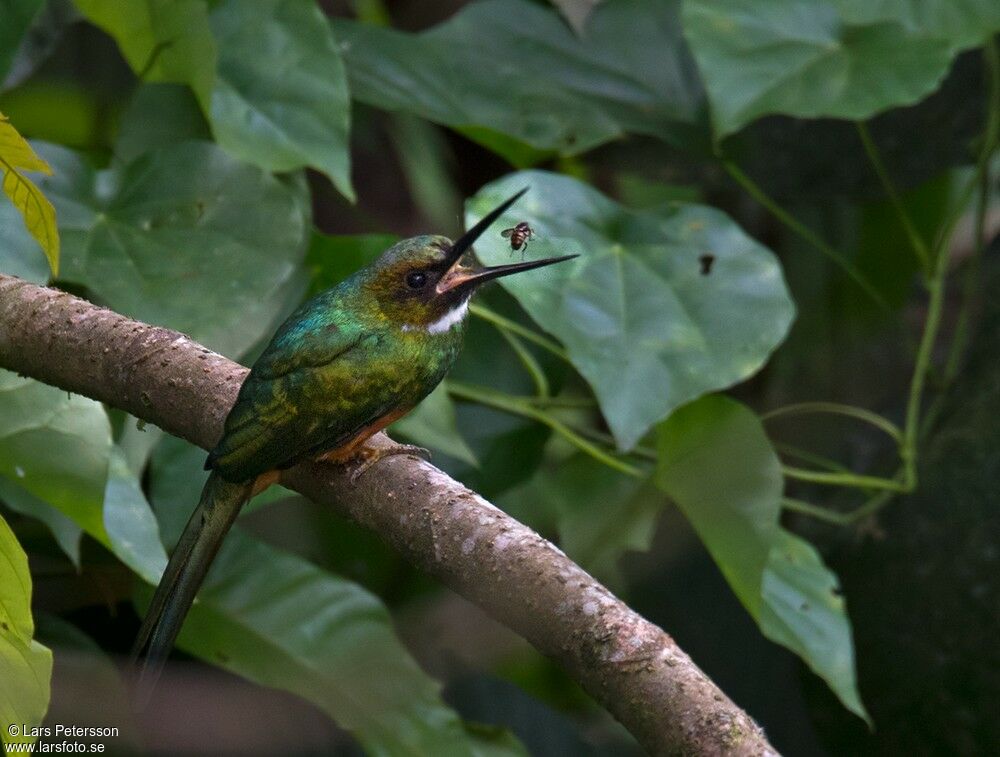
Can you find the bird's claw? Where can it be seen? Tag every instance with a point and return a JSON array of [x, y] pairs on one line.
[[368, 456]]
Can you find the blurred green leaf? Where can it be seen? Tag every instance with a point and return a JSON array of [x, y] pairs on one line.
[[162, 40], [332, 259], [65, 530], [176, 478], [15, 19], [432, 424], [130, 527], [159, 115], [514, 67], [280, 98], [717, 464], [39, 216], [281, 621], [185, 237], [25, 665], [56, 446], [835, 58], [641, 323], [599, 513]]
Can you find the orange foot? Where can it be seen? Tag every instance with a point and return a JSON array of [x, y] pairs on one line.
[[362, 458], [365, 457]]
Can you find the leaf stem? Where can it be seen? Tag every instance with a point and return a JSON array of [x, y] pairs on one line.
[[800, 229], [481, 311], [518, 406], [848, 479], [568, 403], [916, 241], [810, 457], [529, 362], [836, 408], [872, 506]]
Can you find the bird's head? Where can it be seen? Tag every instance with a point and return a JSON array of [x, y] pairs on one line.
[[424, 283]]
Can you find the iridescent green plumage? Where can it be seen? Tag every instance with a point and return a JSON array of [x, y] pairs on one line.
[[343, 366]]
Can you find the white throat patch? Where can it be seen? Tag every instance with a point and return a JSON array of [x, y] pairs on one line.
[[445, 322]]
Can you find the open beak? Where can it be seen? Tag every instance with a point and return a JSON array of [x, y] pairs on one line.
[[461, 276]]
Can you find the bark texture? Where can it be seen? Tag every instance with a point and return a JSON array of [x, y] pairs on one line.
[[625, 662]]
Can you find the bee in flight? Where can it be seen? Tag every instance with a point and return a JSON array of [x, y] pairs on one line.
[[706, 263], [518, 236]]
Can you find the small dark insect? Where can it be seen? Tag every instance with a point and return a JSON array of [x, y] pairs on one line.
[[518, 236], [706, 261]]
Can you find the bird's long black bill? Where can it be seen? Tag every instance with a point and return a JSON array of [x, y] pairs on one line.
[[463, 243], [462, 277]]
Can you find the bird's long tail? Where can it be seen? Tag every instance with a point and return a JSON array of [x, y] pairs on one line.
[[218, 507]]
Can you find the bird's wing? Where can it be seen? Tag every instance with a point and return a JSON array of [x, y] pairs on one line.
[[279, 415]]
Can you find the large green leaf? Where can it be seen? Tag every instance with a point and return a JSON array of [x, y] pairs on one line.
[[837, 58], [56, 446], [280, 98], [185, 237], [281, 621], [514, 67], [718, 466], [15, 18], [640, 321], [163, 40], [25, 665]]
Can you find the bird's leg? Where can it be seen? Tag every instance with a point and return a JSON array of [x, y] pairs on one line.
[[357, 457], [365, 457]]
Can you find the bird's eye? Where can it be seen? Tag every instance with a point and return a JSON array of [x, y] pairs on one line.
[[416, 280]]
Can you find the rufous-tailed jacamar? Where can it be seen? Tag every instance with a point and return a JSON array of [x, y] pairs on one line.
[[343, 366]]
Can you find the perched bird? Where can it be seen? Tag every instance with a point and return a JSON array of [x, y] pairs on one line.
[[343, 366]]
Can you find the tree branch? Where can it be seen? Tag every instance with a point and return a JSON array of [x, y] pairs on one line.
[[626, 663]]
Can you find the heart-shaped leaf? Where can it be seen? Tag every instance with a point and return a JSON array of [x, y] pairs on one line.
[[514, 67], [640, 318], [718, 466], [185, 237]]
